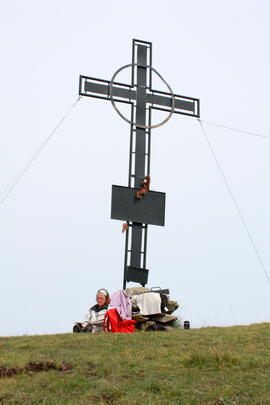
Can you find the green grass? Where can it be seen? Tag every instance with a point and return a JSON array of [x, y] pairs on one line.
[[217, 366]]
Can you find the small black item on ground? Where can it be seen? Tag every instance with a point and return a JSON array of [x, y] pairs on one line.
[[77, 328], [186, 325], [88, 328]]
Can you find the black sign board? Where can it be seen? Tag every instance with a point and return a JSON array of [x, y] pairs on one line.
[[149, 209]]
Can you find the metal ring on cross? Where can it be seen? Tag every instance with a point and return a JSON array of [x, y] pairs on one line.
[[129, 121]]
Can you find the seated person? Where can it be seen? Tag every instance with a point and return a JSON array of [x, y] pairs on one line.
[[94, 317]]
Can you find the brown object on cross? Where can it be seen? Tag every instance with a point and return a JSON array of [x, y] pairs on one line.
[[124, 227], [144, 187]]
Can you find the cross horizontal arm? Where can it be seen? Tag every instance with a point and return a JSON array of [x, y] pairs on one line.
[[92, 87]]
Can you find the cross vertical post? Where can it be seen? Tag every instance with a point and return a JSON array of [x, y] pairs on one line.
[[137, 230]]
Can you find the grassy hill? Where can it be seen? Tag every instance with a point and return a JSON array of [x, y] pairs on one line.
[[217, 366]]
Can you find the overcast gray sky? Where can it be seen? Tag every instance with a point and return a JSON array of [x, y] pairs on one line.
[[58, 244]]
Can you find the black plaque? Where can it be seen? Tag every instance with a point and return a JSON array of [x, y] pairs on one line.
[[136, 275], [150, 209]]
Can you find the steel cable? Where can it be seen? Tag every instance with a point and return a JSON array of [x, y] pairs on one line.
[[5, 193], [235, 129], [235, 202]]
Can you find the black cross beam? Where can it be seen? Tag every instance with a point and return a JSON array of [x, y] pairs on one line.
[[150, 209]]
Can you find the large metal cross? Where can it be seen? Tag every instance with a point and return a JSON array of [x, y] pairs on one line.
[[150, 208]]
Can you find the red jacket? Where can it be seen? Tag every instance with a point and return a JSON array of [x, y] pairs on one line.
[[112, 323]]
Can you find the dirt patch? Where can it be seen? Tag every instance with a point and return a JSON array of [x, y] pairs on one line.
[[109, 399], [40, 366], [91, 373], [46, 366], [8, 372], [66, 367], [90, 364], [33, 367], [91, 369]]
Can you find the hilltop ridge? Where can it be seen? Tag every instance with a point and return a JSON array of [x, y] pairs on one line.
[[213, 365]]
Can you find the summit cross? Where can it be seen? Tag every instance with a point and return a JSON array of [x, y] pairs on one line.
[[149, 208]]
